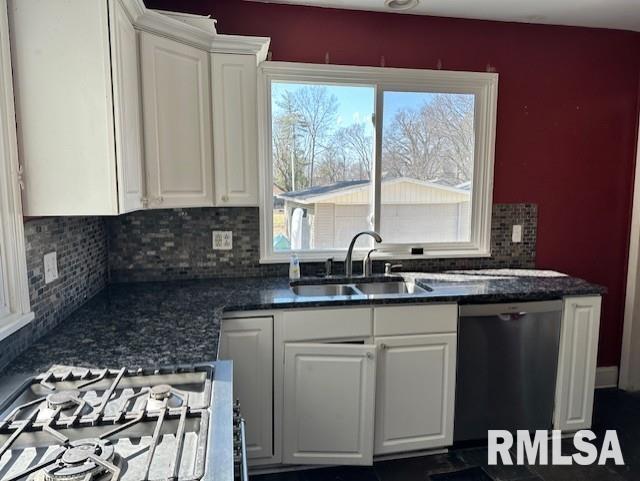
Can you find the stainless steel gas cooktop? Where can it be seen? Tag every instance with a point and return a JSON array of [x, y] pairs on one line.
[[76, 424]]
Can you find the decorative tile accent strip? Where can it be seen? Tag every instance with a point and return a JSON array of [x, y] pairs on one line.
[[177, 244], [81, 247]]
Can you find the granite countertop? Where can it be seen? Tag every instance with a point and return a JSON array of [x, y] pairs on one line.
[[167, 323]]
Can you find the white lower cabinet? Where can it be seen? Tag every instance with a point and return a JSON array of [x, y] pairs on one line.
[[248, 343], [575, 383], [329, 392], [415, 392]]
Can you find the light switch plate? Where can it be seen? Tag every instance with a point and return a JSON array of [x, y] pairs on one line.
[[50, 267], [222, 240], [516, 235]]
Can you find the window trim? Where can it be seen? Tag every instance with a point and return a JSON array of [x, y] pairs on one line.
[[13, 258], [483, 84]]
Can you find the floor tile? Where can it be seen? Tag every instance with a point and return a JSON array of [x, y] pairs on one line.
[[417, 468], [467, 474], [342, 473]]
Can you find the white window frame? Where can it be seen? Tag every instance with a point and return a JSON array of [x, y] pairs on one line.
[[12, 249], [482, 84]]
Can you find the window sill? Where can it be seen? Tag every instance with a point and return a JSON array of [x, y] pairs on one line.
[[14, 322], [378, 256]]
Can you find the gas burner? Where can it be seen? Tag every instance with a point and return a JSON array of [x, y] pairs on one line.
[[63, 399], [164, 396], [160, 392], [83, 459]]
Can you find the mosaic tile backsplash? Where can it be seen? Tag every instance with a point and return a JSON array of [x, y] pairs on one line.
[[176, 244], [81, 247]]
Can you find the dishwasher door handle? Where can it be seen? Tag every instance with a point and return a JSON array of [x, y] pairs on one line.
[[511, 316], [490, 310]]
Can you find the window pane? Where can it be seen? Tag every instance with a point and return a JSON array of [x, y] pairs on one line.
[[427, 167], [322, 142]]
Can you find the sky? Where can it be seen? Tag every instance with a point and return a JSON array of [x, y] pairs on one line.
[[356, 104]]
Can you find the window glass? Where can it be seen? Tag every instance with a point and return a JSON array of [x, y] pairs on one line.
[[427, 167], [322, 158]]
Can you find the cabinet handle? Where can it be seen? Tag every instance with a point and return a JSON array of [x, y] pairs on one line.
[[369, 355], [225, 198], [383, 346]]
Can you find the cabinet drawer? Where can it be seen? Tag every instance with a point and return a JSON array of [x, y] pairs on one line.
[[417, 319], [318, 324]]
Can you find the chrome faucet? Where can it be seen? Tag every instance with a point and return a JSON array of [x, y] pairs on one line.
[[348, 265], [367, 264]]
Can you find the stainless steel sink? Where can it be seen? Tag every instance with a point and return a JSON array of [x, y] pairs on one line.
[[389, 288], [369, 289], [324, 290]]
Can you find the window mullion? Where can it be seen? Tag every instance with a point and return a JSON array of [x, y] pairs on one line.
[[377, 157]]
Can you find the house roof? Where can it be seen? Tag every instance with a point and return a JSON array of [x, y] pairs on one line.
[[326, 192]]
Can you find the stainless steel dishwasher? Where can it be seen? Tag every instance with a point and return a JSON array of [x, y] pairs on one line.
[[507, 362]]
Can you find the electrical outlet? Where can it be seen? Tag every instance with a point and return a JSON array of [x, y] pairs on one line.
[[516, 235], [50, 267], [222, 240]]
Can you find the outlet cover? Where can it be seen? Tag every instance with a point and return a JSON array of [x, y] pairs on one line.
[[516, 235], [222, 240], [50, 267]]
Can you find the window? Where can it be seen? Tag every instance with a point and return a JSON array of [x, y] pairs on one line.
[[407, 153], [15, 311]]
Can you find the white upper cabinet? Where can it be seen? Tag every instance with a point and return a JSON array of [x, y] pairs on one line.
[[65, 93], [575, 383], [235, 129], [177, 123], [114, 108], [128, 117]]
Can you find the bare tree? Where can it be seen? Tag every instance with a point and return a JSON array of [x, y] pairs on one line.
[[316, 111], [433, 142], [355, 141]]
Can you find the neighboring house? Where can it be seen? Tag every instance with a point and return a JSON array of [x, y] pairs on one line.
[[327, 216]]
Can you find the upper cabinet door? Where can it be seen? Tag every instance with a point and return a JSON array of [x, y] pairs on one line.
[[235, 125], [328, 403], [177, 123], [415, 389], [127, 107], [577, 361], [64, 107]]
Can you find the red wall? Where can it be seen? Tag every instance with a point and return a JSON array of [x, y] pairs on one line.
[[567, 115]]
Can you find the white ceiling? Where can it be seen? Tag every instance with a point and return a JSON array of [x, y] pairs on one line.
[[618, 14]]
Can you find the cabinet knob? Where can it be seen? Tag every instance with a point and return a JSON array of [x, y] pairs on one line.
[[383, 346], [369, 355], [225, 198]]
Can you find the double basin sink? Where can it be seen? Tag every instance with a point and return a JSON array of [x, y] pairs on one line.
[[373, 289]]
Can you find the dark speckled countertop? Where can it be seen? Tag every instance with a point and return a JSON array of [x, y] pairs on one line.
[[168, 323]]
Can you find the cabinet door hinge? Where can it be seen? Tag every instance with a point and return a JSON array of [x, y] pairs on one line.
[[21, 176]]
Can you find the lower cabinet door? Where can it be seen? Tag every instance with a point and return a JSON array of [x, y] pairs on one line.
[[415, 393], [249, 344], [329, 395], [577, 360]]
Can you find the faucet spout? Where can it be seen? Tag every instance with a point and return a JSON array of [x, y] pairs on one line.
[[348, 264]]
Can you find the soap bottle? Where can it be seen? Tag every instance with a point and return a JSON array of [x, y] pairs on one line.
[[294, 267]]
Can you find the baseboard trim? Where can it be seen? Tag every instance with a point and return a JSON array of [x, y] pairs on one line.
[[606, 377]]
